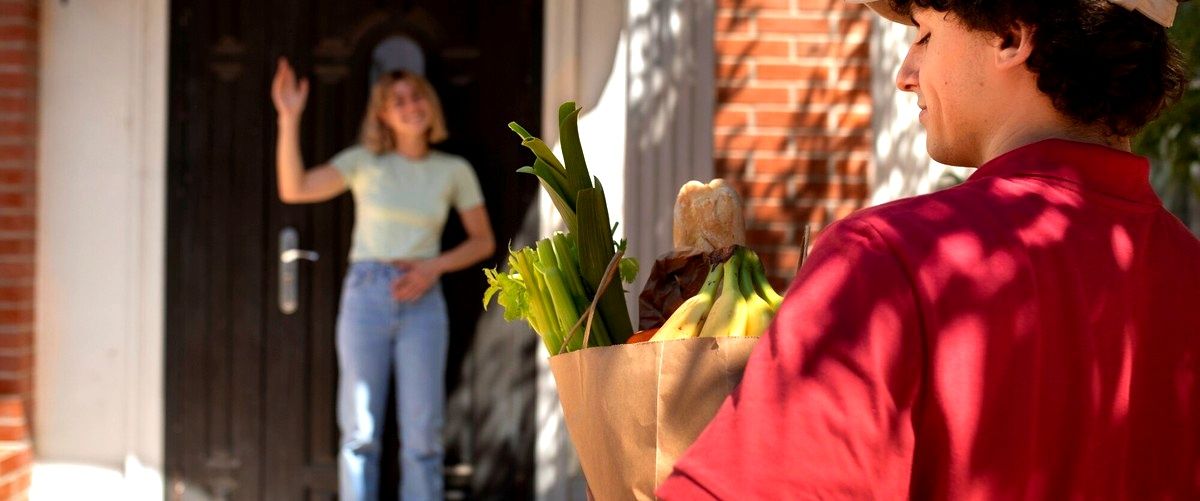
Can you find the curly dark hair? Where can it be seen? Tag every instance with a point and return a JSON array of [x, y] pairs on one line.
[[1100, 63]]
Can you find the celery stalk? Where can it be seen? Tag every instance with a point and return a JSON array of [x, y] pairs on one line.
[[560, 296]]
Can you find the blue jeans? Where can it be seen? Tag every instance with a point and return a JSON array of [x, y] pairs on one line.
[[374, 332]]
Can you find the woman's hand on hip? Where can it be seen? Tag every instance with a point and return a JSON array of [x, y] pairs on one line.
[[419, 276], [288, 95]]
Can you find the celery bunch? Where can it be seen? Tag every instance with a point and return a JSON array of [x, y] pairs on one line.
[[551, 284]]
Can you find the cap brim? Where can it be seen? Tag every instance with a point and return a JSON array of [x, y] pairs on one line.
[[884, 8]]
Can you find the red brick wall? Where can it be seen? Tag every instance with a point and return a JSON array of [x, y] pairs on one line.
[[793, 117], [18, 129]]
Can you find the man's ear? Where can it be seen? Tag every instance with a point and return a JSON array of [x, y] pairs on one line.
[[1014, 46]]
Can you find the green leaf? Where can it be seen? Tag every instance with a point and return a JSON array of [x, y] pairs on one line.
[[578, 177], [595, 252], [629, 269]]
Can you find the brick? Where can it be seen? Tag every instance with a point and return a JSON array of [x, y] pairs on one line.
[[21, 80], [728, 118], [19, 385], [18, 32], [16, 152], [15, 128], [855, 28], [754, 5], [12, 407], [831, 191], [761, 190], [832, 49], [15, 363], [732, 24], [21, 105], [854, 73], [726, 166], [10, 177], [790, 212], [10, 247], [16, 270], [845, 209], [16, 201], [23, 57], [759, 48], [19, 315], [750, 95], [17, 340], [789, 165], [13, 432], [834, 96], [791, 25], [17, 460], [752, 142], [758, 237], [733, 71], [792, 72], [794, 119], [24, 480], [852, 167], [822, 143], [854, 122], [25, 10], [17, 223], [821, 5], [781, 259]]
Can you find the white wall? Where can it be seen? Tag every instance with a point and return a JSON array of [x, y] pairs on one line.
[[101, 167]]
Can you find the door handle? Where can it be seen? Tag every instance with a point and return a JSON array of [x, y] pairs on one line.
[[289, 280]]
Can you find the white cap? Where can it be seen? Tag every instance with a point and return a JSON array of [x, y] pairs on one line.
[[884, 8], [1160, 11]]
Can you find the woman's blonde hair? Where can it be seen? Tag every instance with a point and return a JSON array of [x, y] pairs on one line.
[[376, 135]]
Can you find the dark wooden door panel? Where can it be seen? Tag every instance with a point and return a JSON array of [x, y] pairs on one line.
[[251, 391]]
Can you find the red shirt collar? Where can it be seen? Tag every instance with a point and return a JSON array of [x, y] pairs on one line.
[[1094, 167]]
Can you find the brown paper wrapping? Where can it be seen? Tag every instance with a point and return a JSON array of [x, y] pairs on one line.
[[631, 410]]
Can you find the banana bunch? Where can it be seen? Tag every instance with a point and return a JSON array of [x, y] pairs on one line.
[[735, 301]]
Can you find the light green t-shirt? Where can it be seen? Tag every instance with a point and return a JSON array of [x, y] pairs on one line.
[[400, 204]]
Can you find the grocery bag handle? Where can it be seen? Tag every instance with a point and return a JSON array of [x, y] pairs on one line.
[[609, 272]]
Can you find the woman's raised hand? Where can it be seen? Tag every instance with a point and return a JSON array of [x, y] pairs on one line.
[[288, 95]]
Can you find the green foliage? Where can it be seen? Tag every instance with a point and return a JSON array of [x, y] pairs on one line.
[[1173, 140]]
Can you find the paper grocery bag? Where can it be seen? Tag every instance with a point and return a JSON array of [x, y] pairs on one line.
[[632, 410]]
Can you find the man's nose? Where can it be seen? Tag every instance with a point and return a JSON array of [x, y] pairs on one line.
[[907, 77]]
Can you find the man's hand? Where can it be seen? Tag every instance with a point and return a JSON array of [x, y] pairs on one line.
[[419, 276]]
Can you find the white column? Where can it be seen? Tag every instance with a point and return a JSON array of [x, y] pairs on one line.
[[101, 211]]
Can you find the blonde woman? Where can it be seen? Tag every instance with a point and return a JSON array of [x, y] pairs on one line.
[[392, 310]]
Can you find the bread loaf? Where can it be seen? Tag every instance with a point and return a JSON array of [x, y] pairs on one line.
[[708, 217]]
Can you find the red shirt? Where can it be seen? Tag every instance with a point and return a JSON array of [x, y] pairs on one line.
[[1033, 333]]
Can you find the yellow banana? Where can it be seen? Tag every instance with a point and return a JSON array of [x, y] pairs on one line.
[[759, 311], [728, 315], [689, 317], [762, 286]]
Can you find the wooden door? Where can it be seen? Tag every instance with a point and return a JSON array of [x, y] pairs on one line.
[[251, 389]]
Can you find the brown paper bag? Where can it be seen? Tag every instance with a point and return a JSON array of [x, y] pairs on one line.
[[631, 410]]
